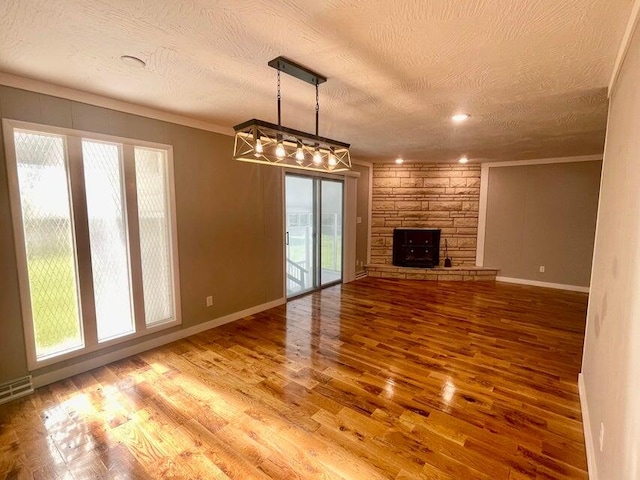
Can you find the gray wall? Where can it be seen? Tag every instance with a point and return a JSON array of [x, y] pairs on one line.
[[542, 215], [229, 218], [611, 360]]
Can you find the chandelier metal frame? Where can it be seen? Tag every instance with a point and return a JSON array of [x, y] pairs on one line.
[[257, 141]]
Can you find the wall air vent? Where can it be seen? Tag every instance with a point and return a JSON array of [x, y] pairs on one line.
[[15, 389]]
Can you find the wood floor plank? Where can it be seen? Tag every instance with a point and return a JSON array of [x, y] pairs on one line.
[[376, 379]]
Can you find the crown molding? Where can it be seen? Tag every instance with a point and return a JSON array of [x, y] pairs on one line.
[[624, 46], [45, 88], [544, 161]]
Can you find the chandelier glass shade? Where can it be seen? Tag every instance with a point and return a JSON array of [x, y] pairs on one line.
[[257, 141]]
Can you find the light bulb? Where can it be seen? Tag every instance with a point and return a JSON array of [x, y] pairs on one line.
[[463, 160], [399, 160], [299, 155], [280, 151], [332, 160], [317, 157], [258, 148]]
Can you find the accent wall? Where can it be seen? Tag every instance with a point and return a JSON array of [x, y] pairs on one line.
[[610, 383]]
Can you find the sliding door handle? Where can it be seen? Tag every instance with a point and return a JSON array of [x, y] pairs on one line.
[[286, 236]]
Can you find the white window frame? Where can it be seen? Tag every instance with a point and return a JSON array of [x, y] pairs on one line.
[[73, 146]]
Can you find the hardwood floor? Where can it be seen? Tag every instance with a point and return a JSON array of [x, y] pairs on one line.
[[377, 379]]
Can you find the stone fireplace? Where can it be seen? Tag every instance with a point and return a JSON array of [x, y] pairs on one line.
[[439, 196], [444, 197]]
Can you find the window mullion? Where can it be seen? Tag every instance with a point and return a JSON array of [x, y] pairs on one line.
[[133, 225], [83, 245]]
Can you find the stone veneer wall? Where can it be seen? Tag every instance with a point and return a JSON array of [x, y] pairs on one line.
[[418, 195]]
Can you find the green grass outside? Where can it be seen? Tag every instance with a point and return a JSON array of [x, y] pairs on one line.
[[297, 252], [331, 251], [54, 303]]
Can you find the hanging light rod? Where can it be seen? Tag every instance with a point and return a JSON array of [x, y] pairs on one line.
[[262, 142]]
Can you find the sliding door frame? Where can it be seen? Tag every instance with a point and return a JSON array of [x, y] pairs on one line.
[[317, 228]]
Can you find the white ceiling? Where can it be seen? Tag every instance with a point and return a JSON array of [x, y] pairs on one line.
[[532, 73]]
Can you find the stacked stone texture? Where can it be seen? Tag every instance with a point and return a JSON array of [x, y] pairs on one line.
[[453, 274], [426, 196]]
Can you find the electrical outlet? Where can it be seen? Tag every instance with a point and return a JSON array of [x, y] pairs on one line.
[[209, 301], [542, 268], [601, 436]]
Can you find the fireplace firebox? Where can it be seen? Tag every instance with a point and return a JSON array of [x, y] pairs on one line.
[[416, 247]]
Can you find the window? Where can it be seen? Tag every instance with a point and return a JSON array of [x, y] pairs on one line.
[[95, 237], [155, 244]]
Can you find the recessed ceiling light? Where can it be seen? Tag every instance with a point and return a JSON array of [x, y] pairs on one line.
[[133, 61], [399, 161], [463, 160], [460, 117]]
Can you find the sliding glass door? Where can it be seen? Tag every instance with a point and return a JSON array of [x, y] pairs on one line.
[[300, 234], [313, 233]]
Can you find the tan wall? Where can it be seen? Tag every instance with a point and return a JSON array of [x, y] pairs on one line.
[[229, 218], [362, 211], [542, 215], [426, 196], [13, 360], [611, 362]]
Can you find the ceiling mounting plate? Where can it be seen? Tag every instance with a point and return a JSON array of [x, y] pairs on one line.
[[295, 70]]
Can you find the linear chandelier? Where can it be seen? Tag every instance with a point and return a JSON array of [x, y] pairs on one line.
[[258, 141]]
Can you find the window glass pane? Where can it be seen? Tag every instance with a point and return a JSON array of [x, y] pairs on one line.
[[108, 237], [155, 241], [300, 249], [48, 231], [331, 232]]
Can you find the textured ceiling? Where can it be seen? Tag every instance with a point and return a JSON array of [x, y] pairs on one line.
[[532, 73]]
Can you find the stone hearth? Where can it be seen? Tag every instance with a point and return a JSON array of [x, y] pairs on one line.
[[464, 273]]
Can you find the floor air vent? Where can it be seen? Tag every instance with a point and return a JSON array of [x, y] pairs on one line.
[[360, 275], [15, 389]]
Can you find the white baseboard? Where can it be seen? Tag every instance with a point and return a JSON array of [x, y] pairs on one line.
[[100, 360], [586, 425], [535, 283]]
